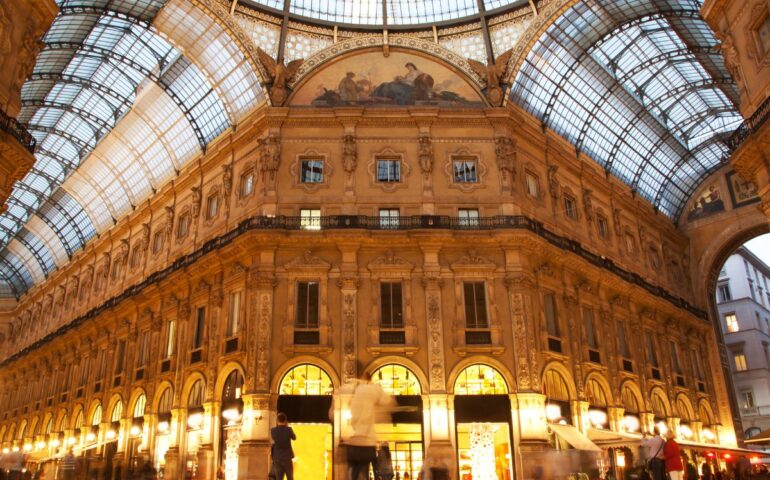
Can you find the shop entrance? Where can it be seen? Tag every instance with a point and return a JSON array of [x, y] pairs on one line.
[[404, 434], [305, 396], [483, 425]]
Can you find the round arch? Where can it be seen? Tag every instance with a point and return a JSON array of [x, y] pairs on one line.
[[159, 391], [480, 379], [136, 396], [300, 360], [3, 429], [630, 394], [684, 408], [460, 367], [188, 385], [33, 426], [602, 388], [78, 410], [404, 362], [225, 372], [60, 423], [47, 418], [705, 413], [396, 379], [95, 404], [10, 433], [658, 394], [565, 375], [116, 401], [22, 429]]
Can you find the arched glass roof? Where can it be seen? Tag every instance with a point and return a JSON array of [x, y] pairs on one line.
[[116, 109], [397, 12], [640, 87]]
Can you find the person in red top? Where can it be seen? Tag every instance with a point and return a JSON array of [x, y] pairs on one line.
[[673, 458]]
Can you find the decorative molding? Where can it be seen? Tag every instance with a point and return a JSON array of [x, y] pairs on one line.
[[464, 153], [404, 170], [295, 169]]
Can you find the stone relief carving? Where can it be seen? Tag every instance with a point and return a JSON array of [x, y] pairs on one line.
[[553, 182], [280, 76], [435, 339], [264, 335], [269, 158], [505, 152], [492, 75], [349, 153], [196, 201], [425, 153], [349, 287]]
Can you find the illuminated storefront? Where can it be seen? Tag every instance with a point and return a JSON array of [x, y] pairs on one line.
[[195, 421], [404, 435], [163, 429], [136, 443], [483, 424], [232, 416], [305, 396]]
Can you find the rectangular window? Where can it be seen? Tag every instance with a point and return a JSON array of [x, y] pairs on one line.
[[588, 324], [310, 219], [469, 217], [551, 315], [212, 206], [602, 226], [200, 328], [388, 170], [732, 322], [630, 244], [740, 361], [389, 218], [465, 170], [570, 207], [747, 400], [85, 369], [247, 183], [144, 349], [475, 305], [307, 305], [624, 350], [751, 290], [675, 363], [532, 184], [120, 357], [157, 241], [183, 226], [102, 364], [758, 320], [234, 315], [697, 365], [171, 339], [652, 356], [723, 293], [391, 305], [762, 34], [767, 355], [312, 171]]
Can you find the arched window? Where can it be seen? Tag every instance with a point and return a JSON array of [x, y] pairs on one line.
[[595, 394], [49, 426], [22, 429], [164, 404], [397, 380], [480, 380], [554, 387], [139, 406], [630, 404], [11, 432], [705, 415], [685, 412], [658, 406], [306, 379], [96, 419], [195, 399], [78, 421], [117, 411], [233, 386], [752, 432]]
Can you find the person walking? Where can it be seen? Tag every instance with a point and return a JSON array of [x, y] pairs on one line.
[[368, 401], [282, 435], [673, 458], [655, 462], [384, 464], [68, 464]]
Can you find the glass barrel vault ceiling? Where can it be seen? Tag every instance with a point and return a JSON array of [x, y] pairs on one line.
[[117, 111], [399, 12], [640, 87]]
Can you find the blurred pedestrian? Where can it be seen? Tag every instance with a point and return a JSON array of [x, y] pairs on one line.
[[283, 454]]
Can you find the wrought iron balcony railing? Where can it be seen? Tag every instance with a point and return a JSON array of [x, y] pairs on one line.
[[13, 127]]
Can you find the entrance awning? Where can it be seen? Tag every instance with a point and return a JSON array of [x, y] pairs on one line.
[[720, 448], [574, 437], [608, 438]]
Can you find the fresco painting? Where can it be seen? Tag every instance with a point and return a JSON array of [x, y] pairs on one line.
[[742, 192], [707, 202], [401, 79]]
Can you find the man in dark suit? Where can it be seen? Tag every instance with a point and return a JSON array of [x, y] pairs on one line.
[[283, 454]]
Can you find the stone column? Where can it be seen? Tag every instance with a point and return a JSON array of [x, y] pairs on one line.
[[521, 285], [174, 463], [254, 450], [348, 285], [697, 429], [646, 422], [210, 431], [580, 415], [615, 416]]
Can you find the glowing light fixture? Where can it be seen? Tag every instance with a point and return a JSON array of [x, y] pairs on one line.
[[55, 443], [662, 427], [15, 449], [111, 434], [232, 415], [631, 423], [597, 418], [90, 437], [135, 430], [552, 412], [5, 450], [40, 445], [620, 459], [27, 447], [685, 431], [163, 427], [708, 434], [72, 441], [195, 421]]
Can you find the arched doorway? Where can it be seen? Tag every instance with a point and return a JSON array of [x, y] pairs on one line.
[[631, 419], [305, 396], [195, 424], [483, 423], [557, 398], [163, 429], [597, 404], [404, 434], [136, 442], [232, 415]]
